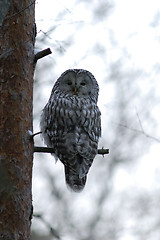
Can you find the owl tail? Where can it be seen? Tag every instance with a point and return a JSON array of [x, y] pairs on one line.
[[74, 181]]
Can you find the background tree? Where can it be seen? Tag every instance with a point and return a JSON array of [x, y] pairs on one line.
[[17, 34]]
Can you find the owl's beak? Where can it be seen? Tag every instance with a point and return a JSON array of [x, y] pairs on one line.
[[75, 90]]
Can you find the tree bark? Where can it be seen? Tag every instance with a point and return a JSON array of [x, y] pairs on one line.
[[17, 36]]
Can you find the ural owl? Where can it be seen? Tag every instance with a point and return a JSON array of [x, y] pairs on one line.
[[71, 124]]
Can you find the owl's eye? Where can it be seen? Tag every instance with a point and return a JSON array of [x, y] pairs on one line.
[[83, 83], [69, 83]]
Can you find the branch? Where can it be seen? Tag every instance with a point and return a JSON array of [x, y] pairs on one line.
[[103, 151], [44, 149], [51, 150], [53, 231], [141, 131], [34, 134], [42, 54]]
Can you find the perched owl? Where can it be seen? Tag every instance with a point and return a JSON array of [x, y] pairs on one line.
[[71, 124]]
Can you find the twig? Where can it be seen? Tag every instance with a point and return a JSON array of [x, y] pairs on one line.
[[53, 232], [42, 54], [44, 149], [103, 151], [140, 123], [139, 131], [37, 133], [51, 150]]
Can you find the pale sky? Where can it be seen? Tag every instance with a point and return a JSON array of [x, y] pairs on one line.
[[131, 25]]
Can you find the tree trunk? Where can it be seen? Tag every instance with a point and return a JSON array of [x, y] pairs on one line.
[[17, 33]]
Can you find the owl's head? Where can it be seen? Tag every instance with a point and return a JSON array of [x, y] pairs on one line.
[[78, 82]]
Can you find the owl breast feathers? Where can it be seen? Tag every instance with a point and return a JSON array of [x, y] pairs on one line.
[[71, 124]]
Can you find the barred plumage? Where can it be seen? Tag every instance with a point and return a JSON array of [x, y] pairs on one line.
[[71, 124]]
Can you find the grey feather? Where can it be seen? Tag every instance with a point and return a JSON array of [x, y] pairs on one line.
[[71, 124]]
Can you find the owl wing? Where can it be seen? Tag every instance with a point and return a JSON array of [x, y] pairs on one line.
[[89, 133], [91, 122], [73, 133], [53, 123]]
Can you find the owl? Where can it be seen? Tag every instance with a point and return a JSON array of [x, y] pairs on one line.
[[71, 124]]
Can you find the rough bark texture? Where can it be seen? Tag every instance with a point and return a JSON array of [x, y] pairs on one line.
[[16, 149]]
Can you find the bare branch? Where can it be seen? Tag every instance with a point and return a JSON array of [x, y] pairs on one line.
[[140, 123], [37, 133], [139, 131], [51, 150], [103, 151], [53, 232], [44, 149], [42, 54]]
